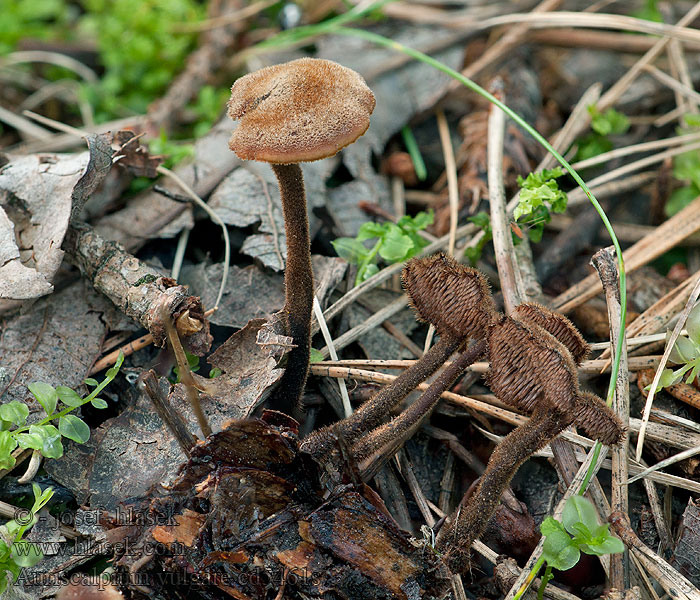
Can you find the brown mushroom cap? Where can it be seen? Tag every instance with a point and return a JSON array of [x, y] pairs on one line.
[[558, 325], [303, 110], [456, 299]]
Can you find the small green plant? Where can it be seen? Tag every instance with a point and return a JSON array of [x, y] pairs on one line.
[[16, 553], [396, 242], [208, 107], [685, 352], [578, 531], [193, 362], [539, 195], [43, 437], [649, 12], [174, 152], [138, 49], [483, 222], [686, 168], [604, 124], [315, 356]]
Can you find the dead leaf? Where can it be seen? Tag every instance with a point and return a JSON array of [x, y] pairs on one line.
[[39, 195], [56, 341], [249, 367], [133, 156], [253, 292]]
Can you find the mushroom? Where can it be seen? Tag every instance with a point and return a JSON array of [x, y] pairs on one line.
[[534, 371], [456, 299], [303, 110]]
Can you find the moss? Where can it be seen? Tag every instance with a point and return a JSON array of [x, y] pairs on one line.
[[145, 279]]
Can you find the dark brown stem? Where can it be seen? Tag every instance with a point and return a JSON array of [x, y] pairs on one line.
[[370, 414], [389, 437], [298, 281], [167, 413], [471, 518], [185, 372]]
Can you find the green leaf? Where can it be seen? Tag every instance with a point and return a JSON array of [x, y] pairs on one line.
[[45, 438], [45, 395], [593, 145], [559, 551], [68, 396], [692, 325], [482, 220], [395, 246], [99, 403], [316, 356], [350, 249], [579, 510], [7, 445], [368, 272], [74, 428], [683, 351], [550, 525], [215, 372], [26, 554], [90, 381], [423, 219], [15, 412], [610, 545], [371, 230]]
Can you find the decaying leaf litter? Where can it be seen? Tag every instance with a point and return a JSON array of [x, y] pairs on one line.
[[549, 63]]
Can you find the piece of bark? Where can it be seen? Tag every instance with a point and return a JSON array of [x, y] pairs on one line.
[[686, 557], [137, 289]]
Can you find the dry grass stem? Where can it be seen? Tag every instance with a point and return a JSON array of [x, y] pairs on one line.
[[664, 359]]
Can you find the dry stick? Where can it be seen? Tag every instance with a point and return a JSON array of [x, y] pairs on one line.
[[575, 124], [677, 57], [673, 83], [664, 237], [591, 39], [667, 352], [659, 313], [607, 157], [502, 239], [376, 319], [626, 232], [185, 371], [347, 408], [453, 196], [387, 273], [589, 367], [676, 586], [167, 413], [578, 19], [615, 92], [577, 198], [665, 463], [606, 265]]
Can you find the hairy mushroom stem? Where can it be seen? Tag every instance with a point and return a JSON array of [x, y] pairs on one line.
[[391, 435], [298, 281], [456, 537], [454, 298], [320, 443], [534, 370]]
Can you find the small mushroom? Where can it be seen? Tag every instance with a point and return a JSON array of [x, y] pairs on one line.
[[534, 371], [456, 299], [303, 110]]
